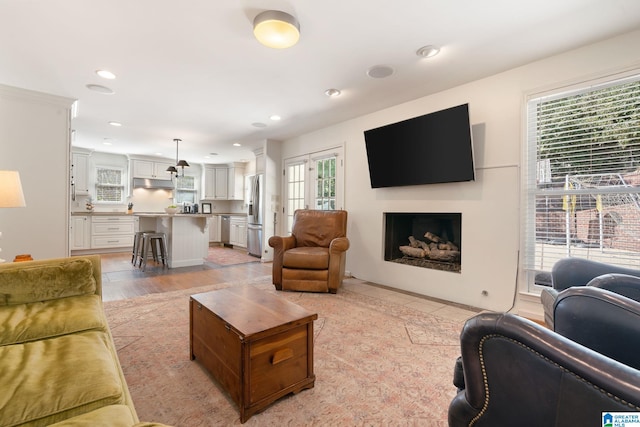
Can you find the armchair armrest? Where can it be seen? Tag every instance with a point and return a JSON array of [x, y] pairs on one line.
[[516, 370], [339, 244], [280, 244]]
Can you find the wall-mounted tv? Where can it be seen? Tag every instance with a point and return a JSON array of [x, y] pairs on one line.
[[429, 149]]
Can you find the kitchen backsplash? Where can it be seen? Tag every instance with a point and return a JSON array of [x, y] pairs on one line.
[[145, 200]]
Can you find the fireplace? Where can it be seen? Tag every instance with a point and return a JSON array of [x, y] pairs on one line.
[[428, 240]]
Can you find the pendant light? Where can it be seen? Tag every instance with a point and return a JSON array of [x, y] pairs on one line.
[[179, 163]]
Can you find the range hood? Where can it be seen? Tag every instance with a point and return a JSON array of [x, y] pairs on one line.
[[165, 184]]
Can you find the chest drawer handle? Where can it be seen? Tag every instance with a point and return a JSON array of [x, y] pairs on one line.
[[281, 355], [199, 306]]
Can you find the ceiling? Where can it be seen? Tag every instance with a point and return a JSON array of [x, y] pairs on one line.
[[192, 69]]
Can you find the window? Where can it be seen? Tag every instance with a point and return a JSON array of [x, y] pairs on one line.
[[109, 185], [313, 181], [185, 189], [583, 177]]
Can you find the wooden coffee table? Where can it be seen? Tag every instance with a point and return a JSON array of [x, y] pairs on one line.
[[258, 346]]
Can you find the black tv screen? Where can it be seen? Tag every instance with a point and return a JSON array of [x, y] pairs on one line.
[[429, 149]]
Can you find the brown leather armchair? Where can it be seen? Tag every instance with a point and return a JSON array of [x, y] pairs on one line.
[[313, 257]]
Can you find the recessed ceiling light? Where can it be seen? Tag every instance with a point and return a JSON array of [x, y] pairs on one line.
[[213, 154], [379, 71], [275, 117], [237, 144], [107, 141], [106, 74], [428, 51], [101, 89], [116, 124], [332, 93], [258, 125]]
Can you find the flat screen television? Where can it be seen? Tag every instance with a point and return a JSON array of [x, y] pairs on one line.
[[429, 149]]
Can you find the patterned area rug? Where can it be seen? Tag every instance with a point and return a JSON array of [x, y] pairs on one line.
[[229, 256], [376, 363]]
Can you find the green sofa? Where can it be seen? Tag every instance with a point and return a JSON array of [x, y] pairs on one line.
[[58, 362]]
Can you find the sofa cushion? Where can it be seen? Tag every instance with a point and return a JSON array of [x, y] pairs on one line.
[[48, 319], [107, 416], [306, 257], [50, 380], [21, 284]]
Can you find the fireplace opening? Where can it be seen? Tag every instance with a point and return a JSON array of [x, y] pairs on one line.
[[428, 240]]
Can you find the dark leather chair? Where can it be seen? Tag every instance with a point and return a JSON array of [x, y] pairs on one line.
[[569, 272], [518, 373], [313, 257]]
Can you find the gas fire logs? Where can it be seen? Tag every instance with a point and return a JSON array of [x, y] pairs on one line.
[[435, 248]]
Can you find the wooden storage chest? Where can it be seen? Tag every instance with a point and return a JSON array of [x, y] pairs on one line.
[[258, 346]]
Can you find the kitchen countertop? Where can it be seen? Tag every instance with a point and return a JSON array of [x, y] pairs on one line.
[[150, 214]]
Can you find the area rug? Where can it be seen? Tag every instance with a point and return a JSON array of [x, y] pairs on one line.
[[228, 256], [376, 363]]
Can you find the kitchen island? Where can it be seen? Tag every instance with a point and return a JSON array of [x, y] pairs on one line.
[[187, 235]]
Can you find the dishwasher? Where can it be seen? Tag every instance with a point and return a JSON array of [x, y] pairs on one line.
[[225, 229]]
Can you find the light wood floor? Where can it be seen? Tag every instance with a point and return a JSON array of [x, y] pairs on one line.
[[121, 280]]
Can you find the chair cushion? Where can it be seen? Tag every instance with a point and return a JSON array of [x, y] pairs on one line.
[[311, 258]]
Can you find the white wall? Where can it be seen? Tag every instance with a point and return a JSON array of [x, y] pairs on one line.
[[34, 140], [489, 206]]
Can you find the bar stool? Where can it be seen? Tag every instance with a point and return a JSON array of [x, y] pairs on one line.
[[137, 245], [154, 240]]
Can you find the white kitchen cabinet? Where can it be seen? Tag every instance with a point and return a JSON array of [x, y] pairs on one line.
[[215, 231], [112, 231], [238, 231], [235, 183], [79, 175], [215, 182], [79, 232], [150, 169]]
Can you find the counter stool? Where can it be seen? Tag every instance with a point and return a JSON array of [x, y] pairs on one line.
[[137, 245], [154, 240]]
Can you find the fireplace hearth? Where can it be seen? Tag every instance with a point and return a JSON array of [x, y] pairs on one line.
[[427, 240]]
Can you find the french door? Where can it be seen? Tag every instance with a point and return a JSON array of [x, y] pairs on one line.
[[313, 181]]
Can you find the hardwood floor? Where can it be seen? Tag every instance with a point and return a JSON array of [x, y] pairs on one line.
[[121, 280]]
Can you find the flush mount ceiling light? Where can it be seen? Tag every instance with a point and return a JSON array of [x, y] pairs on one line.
[[379, 71], [332, 93], [276, 29], [116, 124], [106, 74], [428, 51]]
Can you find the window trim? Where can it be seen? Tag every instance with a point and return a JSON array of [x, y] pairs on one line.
[[122, 185]]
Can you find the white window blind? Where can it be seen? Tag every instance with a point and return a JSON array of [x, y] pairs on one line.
[[583, 177], [109, 185]]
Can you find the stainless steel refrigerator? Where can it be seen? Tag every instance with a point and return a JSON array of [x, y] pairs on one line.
[[255, 216]]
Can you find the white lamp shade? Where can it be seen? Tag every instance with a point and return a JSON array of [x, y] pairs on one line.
[[276, 29], [11, 195]]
